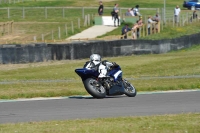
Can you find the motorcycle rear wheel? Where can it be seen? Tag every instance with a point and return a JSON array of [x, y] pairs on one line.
[[94, 88], [130, 90]]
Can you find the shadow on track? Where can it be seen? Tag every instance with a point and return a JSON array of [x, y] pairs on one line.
[[90, 97]]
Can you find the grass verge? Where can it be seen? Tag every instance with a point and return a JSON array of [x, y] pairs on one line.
[[181, 123]]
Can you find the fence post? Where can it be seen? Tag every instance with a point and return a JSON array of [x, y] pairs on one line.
[[72, 26], [59, 32], [34, 38], [63, 11], [4, 30], [8, 12], [11, 27], [154, 29], [45, 12], [120, 14], [85, 22], [8, 28], [92, 16], [52, 36], [83, 12], [79, 23], [42, 37], [66, 30], [162, 18], [88, 19], [143, 32], [162, 24], [139, 32], [23, 13]]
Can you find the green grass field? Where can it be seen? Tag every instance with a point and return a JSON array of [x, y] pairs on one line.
[[182, 123], [57, 78]]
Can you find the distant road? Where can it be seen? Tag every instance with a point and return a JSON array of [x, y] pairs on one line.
[[87, 107], [93, 32]]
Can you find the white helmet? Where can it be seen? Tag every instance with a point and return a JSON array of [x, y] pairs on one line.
[[95, 58]]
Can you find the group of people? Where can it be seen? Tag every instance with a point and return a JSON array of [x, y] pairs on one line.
[[152, 22], [133, 11], [114, 13], [134, 29], [139, 23], [177, 12]]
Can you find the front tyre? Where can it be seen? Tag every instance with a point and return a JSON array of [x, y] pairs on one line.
[[130, 90], [94, 88]]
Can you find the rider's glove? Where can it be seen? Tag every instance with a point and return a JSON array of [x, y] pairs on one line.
[[114, 64]]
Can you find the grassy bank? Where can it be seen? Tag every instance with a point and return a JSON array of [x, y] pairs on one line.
[[27, 32], [57, 78], [182, 123]]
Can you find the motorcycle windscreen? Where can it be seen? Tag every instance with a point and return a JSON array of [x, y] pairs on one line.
[[117, 75], [85, 73]]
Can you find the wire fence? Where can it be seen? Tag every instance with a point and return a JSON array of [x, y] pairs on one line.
[[59, 12], [13, 1]]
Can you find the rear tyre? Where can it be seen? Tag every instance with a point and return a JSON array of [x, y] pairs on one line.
[[130, 90], [95, 89]]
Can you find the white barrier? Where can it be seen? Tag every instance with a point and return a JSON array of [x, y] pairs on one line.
[[108, 20]]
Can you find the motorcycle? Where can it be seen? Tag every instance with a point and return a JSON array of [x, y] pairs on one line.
[[111, 85]]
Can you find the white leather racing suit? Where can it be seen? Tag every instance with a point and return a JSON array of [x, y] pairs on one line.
[[102, 67]]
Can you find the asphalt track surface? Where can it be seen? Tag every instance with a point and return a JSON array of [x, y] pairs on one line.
[[84, 107]]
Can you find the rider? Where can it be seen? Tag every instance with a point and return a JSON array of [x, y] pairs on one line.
[[102, 66]]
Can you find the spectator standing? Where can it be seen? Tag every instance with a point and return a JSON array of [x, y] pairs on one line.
[[125, 30], [128, 13], [132, 12], [134, 30], [100, 10], [116, 15], [177, 11], [136, 11], [150, 22], [156, 18], [195, 16], [140, 24]]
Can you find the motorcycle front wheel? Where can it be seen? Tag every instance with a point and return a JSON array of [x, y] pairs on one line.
[[130, 90], [94, 88]]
